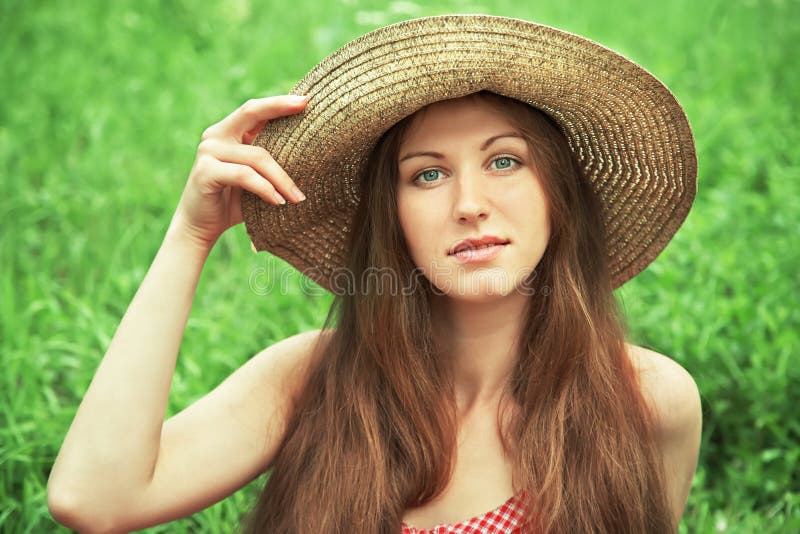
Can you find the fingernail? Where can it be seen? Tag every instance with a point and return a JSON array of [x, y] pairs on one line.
[[298, 99], [279, 198], [297, 193]]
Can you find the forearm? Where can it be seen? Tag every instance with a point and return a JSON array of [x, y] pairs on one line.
[[111, 447]]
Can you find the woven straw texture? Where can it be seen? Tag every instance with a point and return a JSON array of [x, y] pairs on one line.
[[626, 129]]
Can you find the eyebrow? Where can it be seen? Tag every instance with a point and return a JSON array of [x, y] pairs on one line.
[[491, 140], [484, 146]]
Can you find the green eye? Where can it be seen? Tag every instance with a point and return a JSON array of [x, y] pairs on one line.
[[429, 175], [503, 163]]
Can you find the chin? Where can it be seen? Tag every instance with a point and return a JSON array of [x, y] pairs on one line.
[[479, 298], [483, 286]]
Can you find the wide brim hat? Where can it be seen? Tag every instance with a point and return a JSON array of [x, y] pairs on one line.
[[627, 131]]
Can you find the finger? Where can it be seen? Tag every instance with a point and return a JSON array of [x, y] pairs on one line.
[[236, 206], [254, 182], [248, 138], [254, 113], [257, 158], [235, 174]]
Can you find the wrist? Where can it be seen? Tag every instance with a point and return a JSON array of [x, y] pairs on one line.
[[181, 235]]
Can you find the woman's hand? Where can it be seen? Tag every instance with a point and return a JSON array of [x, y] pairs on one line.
[[226, 163]]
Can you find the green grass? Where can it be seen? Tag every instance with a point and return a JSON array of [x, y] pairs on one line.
[[101, 109]]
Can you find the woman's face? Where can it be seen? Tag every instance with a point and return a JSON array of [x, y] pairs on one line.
[[466, 172]]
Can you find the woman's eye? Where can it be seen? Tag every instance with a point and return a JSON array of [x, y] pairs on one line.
[[428, 176], [504, 163]]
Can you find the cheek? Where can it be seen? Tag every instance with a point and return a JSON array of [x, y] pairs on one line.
[[408, 221], [416, 223], [403, 216], [536, 206], [532, 214]]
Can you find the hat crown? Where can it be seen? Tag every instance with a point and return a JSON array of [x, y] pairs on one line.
[[627, 131]]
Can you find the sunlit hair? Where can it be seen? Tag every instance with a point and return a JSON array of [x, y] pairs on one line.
[[374, 431]]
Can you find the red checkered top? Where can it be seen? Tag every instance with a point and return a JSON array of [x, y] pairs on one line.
[[506, 519]]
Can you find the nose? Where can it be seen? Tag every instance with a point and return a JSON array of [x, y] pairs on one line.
[[470, 203]]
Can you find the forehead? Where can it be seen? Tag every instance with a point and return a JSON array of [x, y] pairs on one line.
[[458, 117]]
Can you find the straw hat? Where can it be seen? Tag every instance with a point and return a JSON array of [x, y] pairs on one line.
[[627, 131]]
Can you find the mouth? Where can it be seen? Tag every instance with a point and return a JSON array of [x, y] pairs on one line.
[[479, 254], [477, 245]]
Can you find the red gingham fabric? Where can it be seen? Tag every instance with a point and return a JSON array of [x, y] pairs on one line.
[[505, 519]]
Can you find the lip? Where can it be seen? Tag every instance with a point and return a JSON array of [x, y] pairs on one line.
[[479, 255], [476, 242]]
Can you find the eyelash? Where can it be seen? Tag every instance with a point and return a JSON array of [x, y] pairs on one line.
[[514, 160]]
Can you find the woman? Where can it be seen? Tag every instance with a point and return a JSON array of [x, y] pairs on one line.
[[478, 359]]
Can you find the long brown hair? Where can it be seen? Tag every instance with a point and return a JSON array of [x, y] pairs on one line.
[[374, 430]]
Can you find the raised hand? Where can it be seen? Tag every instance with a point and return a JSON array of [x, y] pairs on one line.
[[226, 163]]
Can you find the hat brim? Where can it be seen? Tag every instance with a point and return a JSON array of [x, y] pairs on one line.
[[629, 134]]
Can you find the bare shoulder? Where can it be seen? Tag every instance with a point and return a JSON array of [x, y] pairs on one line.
[[676, 402], [294, 357], [227, 437], [669, 386]]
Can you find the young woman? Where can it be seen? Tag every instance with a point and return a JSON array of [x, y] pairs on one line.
[[477, 374]]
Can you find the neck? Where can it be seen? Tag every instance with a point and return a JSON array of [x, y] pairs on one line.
[[481, 340]]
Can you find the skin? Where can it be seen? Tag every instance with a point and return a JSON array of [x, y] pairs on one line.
[[482, 477], [466, 171], [453, 178], [164, 470]]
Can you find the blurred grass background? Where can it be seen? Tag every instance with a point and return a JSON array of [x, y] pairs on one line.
[[101, 108]]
